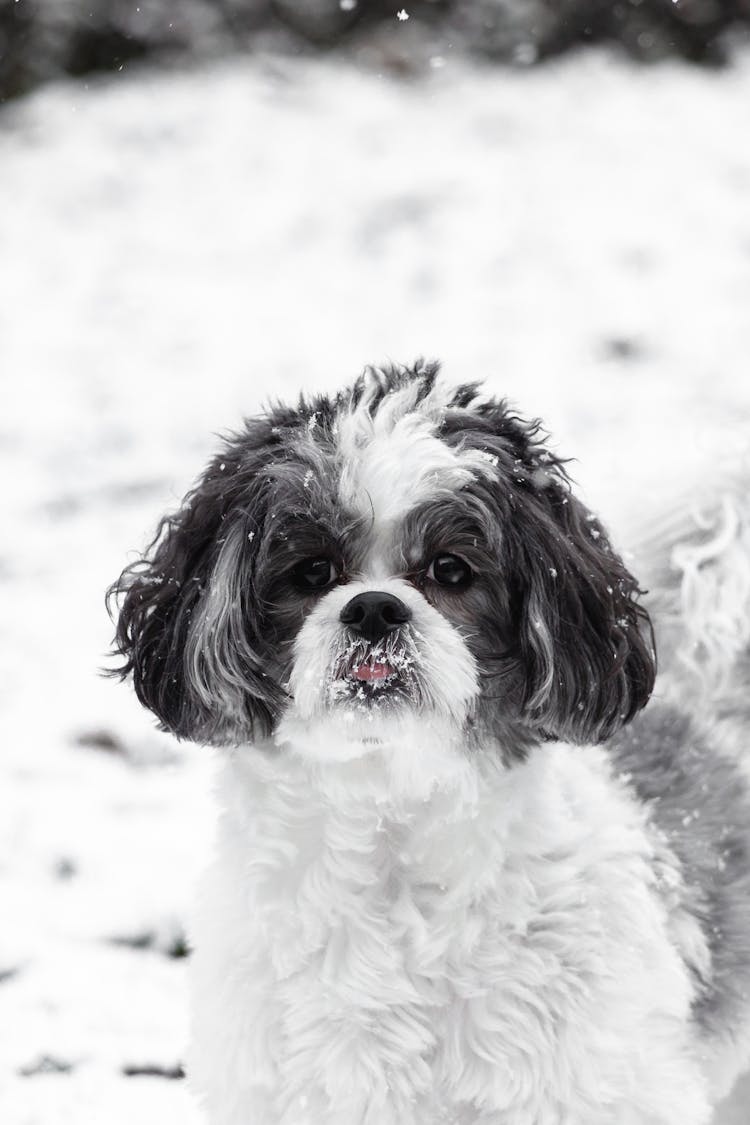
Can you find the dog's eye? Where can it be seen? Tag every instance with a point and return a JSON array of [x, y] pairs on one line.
[[314, 574], [450, 570]]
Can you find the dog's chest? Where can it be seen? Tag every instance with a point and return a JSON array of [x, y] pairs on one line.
[[368, 915], [378, 931], [407, 964]]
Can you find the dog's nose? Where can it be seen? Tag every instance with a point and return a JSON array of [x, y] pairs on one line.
[[374, 614]]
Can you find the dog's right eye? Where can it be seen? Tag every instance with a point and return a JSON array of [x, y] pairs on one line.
[[314, 574], [450, 571]]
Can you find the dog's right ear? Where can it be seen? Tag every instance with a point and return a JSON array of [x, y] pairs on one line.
[[187, 625]]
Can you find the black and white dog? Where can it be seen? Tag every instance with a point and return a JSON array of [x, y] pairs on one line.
[[451, 885]]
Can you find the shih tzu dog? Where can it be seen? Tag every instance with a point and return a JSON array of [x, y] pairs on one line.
[[461, 876]]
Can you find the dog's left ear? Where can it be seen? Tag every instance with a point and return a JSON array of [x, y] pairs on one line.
[[586, 643], [582, 641]]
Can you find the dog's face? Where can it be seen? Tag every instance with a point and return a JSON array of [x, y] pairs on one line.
[[403, 554]]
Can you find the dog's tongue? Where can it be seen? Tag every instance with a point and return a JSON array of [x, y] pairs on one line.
[[377, 670]]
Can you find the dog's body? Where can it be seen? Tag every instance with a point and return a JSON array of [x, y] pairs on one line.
[[436, 896], [524, 952]]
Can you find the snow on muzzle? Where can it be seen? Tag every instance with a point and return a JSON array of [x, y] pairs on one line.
[[422, 662]]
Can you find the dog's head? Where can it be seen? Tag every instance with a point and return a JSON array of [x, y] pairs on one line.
[[401, 552]]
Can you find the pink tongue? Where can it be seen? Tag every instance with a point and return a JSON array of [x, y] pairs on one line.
[[370, 672]]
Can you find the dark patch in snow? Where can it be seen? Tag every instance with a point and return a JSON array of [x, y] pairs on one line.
[[134, 941], [66, 868], [8, 974], [154, 1070], [46, 1064], [174, 946], [623, 348], [179, 948], [100, 740], [149, 753]]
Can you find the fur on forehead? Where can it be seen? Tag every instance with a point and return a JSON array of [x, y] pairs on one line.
[[389, 450]]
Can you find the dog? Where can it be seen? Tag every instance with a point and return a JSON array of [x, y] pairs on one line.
[[462, 873]]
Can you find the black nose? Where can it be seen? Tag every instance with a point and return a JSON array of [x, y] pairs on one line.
[[374, 614]]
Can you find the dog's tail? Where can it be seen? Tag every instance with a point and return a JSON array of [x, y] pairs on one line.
[[694, 559]]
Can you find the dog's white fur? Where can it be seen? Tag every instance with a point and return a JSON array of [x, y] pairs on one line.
[[390, 460], [352, 941]]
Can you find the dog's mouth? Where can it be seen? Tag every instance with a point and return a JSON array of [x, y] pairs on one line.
[[373, 672]]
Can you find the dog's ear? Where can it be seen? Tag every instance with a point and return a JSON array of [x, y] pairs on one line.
[[586, 643], [187, 627], [583, 642]]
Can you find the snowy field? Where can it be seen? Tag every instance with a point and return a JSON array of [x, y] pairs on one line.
[[173, 250]]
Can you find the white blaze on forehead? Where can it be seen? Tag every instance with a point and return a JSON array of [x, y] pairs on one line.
[[393, 459]]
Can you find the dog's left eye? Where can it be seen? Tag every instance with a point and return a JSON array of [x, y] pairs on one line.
[[314, 574], [450, 570]]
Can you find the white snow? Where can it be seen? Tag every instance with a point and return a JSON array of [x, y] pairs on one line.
[[175, 248]]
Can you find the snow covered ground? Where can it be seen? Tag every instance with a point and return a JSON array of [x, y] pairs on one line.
[[173, 250]]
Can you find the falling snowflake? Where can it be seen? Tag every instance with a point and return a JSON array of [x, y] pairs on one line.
[[402, 15]]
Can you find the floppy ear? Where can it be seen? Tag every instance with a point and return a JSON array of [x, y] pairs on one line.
[[585, 642], [582, 642], [188, 624]]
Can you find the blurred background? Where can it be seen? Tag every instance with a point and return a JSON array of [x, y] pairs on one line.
[[207, 203]]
